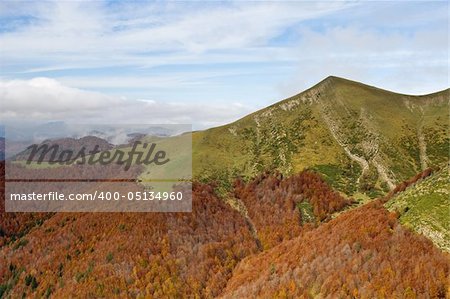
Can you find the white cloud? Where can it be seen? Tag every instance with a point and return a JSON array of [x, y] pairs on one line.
[[45, 99], [408, 63], [86, 34]]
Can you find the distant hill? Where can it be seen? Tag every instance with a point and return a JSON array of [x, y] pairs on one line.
[[361, 138]]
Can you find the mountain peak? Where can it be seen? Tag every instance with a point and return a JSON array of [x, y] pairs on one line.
[[334, 79], [331, 80], [331, 77]]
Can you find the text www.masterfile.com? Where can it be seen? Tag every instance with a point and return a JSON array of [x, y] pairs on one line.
[[98, 195]]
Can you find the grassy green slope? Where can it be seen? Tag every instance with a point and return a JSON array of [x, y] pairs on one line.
[[362, 138], [425, 207]]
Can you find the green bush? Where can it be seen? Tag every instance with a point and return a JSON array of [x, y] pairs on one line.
[[306, 212], [3, 289], [109, 257]]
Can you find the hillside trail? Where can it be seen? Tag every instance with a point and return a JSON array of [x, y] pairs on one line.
[[422, 145], [238, 205], [376, 159], [382, 171], [334, 129]]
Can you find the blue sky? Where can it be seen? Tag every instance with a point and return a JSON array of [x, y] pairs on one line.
[[207, 63]]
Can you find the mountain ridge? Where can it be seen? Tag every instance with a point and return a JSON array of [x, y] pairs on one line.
[[327, 80], [370, 126]]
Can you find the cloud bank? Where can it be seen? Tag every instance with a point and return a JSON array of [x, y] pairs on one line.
[[45, 99]]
